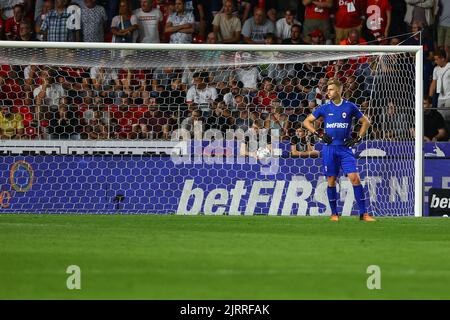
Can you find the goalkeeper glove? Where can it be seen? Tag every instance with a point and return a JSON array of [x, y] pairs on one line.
[[351, 142], [324, 137]]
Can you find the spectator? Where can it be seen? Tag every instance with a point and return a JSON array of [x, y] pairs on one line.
[[240, 103], [46, 7], [12, 24], [55, 27], [124, 25], [93, 21], [351, 91], [221, 120], [171, 125], [317, 16], [301, 143], [353, 39], [228, 98], [249, 76], [348, 16], [163, 77], [202, 16], [301, 112], [277, 120], [201, 93], [256, 138], [441, 83], [74, 21], [288, 96], [393, 123], [434, 125], [227, 27], [265, 96], [379, 17], [422, 11], [243, 121], [443, 27], [11, 124], [295, 38], [398, 27], [149, 21], [284, 26], [49, 93], [64, 123], [317, 37], [26, 31], [7, 7], [420, 38], [256, 27], [194, 125], [319, 92], [104, 79], [180, 24]]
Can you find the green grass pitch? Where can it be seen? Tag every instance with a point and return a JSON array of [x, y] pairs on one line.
[[223, 257]]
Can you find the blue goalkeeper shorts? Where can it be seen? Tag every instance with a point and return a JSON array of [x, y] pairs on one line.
[[336, 157]]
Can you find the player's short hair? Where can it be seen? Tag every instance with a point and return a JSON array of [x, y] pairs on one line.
[[334, 81]]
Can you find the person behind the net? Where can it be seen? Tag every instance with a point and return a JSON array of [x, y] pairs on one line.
[[337, 116]]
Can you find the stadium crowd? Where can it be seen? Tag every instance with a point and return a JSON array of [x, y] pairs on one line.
[[104, 103]]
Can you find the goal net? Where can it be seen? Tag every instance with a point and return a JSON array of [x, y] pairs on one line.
[[109, 128]]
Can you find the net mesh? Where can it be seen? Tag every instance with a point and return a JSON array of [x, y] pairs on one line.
[[148, 131]]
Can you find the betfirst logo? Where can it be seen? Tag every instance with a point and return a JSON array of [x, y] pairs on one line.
[[441, 203], [295, 197], [337, 125]]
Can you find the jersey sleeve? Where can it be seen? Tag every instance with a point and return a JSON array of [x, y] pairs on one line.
[[356, 112], [318, 112]]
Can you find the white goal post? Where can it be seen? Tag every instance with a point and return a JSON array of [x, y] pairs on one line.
[[10, 55]]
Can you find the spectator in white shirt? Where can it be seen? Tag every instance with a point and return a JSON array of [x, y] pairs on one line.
[[284, 25], [201, 93], [149, 21], [441, 83]]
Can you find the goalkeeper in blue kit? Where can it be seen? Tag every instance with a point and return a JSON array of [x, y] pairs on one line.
[[338, 115]]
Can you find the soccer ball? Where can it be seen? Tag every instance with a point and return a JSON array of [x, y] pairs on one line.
[[263, 153], [445, 216]]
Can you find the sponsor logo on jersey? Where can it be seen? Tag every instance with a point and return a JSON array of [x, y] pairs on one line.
[[344, 115], [337, 125]]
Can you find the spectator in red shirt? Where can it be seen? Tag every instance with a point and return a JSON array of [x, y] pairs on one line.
[[265, 96], [353, 39], [317, 16], [12, 24], [378, 20], [348, 15]]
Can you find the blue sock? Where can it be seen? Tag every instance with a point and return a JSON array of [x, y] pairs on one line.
[[360, 199], [331, 192]]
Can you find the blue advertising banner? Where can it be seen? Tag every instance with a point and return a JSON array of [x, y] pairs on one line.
[[234, 186]]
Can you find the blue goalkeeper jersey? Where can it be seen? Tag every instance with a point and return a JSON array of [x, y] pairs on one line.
[[338, 119]]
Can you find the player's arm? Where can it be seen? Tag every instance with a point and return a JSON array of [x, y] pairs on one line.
[[365, 125], [308, 124]]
